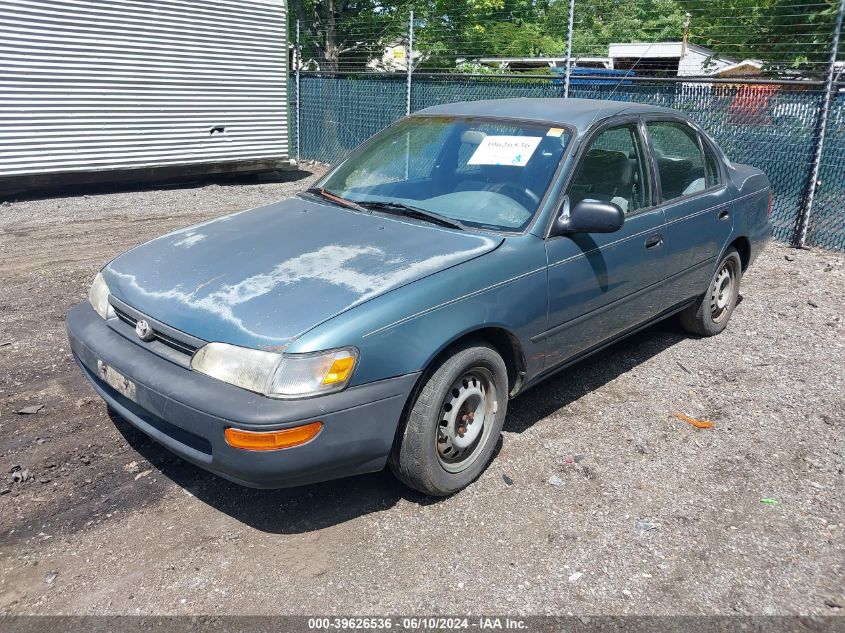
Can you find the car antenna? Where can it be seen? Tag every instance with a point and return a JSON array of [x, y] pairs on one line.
[[619, 83]]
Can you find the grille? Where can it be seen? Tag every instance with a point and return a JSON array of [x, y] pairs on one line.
[[169, 341]]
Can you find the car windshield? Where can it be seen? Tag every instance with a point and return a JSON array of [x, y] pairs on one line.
[[470, 171]]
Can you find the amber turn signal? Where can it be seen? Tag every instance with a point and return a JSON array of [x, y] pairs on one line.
[[340, 370], [272, 440]]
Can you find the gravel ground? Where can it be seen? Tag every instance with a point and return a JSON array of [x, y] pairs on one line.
[[599, 501]]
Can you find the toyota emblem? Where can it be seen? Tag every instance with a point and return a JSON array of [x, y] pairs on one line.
[[144, 331]]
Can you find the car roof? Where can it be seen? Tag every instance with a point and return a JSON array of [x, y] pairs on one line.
[[578, 113]]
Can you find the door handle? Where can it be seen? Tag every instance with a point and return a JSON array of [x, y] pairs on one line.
[[654, 241], [724, 214]]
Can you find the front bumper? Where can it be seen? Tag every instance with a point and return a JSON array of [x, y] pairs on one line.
[[188, 412]]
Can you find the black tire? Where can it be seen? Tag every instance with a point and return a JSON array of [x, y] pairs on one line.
[[418, 458], [710, 314]]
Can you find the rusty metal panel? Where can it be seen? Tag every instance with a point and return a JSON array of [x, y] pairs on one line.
[[127, 84]]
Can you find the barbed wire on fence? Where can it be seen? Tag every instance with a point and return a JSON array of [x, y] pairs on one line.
[[786, 38]]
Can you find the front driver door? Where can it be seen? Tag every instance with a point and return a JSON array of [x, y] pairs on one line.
[[602, 284]]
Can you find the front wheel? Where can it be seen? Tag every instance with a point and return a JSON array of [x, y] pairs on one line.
[[453, 426], [710, 314]]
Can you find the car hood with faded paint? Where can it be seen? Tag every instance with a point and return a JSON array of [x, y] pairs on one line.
[[261, 278]]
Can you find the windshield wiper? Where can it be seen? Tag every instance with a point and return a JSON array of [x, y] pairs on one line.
[[389, 207], [328, 195], [413, 212]]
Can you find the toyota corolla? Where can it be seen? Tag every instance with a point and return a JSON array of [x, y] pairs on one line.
[[388, 314]]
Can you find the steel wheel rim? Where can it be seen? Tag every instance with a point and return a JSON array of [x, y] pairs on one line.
[[723, 290], [466, 417]]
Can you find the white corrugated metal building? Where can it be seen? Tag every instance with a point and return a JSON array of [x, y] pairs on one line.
[[144, 86]]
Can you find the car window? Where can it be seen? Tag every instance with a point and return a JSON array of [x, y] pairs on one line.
[[482, 172], [393, 162], [678, 156], [711, 167], [613, 170]]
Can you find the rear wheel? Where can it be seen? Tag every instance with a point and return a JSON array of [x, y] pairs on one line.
[[710, 314], [455, 422]]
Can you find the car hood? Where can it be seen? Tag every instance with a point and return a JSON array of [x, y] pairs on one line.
[[260, 278]]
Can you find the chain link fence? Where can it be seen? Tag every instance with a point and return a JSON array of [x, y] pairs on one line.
[[774, 124], [827, 222]]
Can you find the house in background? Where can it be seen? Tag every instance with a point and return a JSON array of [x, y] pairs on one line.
[[678, 59], [141, 89], [394, 59]]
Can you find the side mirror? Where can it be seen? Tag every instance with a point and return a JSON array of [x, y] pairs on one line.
[[590, 216]]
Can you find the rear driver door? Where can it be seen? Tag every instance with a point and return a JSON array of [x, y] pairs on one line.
[[696, 203]]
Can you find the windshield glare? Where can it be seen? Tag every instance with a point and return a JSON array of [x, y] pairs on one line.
[[483, 173]]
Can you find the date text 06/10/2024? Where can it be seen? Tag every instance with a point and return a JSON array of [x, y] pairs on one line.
[[416, 623]]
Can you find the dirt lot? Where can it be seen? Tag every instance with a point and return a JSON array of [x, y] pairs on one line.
[[600, 501]]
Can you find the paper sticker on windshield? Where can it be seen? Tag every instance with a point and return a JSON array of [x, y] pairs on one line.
[[505, 150], [555, 131]]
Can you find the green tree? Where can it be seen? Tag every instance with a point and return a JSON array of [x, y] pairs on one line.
[[599, 23], [452, 30], [781, 33], [342, 34]]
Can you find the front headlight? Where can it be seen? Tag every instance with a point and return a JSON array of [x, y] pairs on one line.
[[277, 375], [98, 296], [300, 375], [247, 368]]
